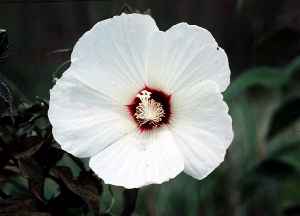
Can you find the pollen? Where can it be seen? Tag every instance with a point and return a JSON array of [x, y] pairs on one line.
[[148, 110]]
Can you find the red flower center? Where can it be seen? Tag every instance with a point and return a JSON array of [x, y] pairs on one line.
[[150, 109]]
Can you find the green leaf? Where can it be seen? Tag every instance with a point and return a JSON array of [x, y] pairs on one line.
[[68, 161], [130, 198], [6, 100], [14, 205], [283, 147], [293, 67], [268, 77], [51, 189], [27, 147], [33, 171], [276, 168], [287, 114], [87, 186], [3, 41], [263, 76]]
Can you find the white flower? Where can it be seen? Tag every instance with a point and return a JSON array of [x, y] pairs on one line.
[[144, 104]]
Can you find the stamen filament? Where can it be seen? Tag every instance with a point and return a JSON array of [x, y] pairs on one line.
[[148, 110]]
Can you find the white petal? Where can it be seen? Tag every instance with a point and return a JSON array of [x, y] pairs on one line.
[[138, 160], [84, 121], [111, 56], [202, 127], [184, 56]]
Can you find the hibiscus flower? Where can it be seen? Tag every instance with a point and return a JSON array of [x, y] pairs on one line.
[[144, 104]]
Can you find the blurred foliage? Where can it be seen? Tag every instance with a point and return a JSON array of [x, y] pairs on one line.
[[260, 176], [37, 178], [30, 170]]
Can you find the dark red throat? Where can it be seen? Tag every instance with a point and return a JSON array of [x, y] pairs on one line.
[[160, 97]]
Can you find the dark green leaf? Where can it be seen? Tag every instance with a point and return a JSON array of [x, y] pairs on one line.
[[6, 100], [293, 67], [5, 92], [25, 213], [15, 205], [130, 198], [28, 146], [65, 200], [285, 148], [5, 176], [32, 170], [87, 186], [284, 116], [269, 172], [267, 77], [275, 168], [3, 41], [51, 189], [50, 151], [263, 76]]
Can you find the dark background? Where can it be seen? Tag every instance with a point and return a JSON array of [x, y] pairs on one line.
[[250, 31], [261, 172]]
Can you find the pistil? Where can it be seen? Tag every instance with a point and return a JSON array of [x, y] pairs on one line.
[[148, 110]]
